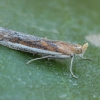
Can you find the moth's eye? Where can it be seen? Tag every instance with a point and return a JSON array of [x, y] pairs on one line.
[[78, 50]]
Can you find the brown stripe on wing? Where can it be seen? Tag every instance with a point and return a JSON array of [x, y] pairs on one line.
[[44, 44]]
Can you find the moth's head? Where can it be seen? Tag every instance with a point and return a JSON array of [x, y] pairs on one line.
[[78, 49]]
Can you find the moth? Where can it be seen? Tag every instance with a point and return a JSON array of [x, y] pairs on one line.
[[52, 49]]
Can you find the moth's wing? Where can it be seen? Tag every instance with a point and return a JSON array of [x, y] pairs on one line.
[[27, 49], [24, 48]]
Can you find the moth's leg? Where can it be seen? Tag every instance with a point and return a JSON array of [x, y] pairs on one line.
[[72, 59], [33, 54], [38, 58], [86, 58]]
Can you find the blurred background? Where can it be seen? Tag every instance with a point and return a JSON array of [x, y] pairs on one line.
[[65, 20]]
